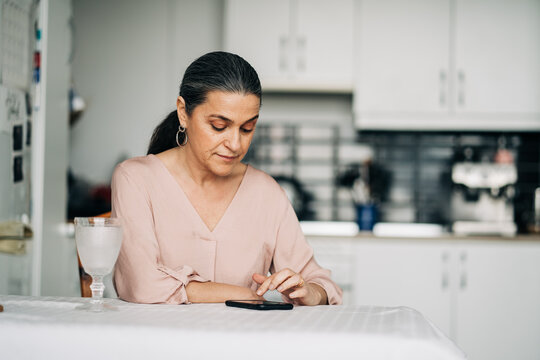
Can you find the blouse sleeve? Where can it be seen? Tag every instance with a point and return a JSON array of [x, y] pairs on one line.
[[292, 251], [139, 275]]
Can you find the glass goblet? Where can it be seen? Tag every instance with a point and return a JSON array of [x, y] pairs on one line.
[[98, 244]]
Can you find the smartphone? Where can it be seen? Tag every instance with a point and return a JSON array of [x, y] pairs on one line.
[[259, 304]]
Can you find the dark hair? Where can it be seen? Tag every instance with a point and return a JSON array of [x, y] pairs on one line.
[[217, 70]]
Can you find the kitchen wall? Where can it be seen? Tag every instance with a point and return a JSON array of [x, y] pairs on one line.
[[418, 168], [128, 70], [128, 60]]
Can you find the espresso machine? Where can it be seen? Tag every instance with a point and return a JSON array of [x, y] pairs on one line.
[[482, 198]]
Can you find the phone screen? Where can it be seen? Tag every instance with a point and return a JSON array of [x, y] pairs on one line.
[[259, 304]]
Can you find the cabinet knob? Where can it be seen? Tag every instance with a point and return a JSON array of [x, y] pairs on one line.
[[283, 51], [301, 53], [463, 281], [461, 88], [442, 88], [445, 270]]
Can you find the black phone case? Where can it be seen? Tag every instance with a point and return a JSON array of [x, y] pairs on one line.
[[259, 305]]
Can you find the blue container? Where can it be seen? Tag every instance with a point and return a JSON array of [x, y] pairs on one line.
[[366, 216]]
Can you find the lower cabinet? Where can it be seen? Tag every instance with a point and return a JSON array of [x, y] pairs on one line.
[[403, 273], [483, 293], [337, 255], [498, 300]]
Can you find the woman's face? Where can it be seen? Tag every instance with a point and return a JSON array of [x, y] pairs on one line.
[[220, 129]]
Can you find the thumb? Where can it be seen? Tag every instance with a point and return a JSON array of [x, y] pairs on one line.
[[258, 278]]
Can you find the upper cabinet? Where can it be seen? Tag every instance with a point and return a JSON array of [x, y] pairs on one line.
[[403, 56], [497, 56], [295, 45], [447, 65]]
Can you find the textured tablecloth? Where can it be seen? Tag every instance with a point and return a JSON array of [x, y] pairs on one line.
[[51, 328]]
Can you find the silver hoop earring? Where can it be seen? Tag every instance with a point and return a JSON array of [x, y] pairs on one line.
[[181, 130]]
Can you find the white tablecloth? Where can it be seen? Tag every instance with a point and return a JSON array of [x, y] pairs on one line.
[[51, 328]]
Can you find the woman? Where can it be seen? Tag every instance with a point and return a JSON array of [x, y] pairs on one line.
[[199, 225]]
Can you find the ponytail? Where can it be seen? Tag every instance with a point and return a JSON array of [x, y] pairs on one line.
[[164, 136]]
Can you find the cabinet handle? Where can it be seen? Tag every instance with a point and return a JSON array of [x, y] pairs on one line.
[[442, 89], [283, 51], [445, 271], [301, 53], [461, 88], [463, 277]]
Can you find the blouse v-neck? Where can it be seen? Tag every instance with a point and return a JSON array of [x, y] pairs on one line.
[[196, 214]]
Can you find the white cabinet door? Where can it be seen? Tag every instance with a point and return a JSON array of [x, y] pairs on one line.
[[299, 45], [499, 300], [412, 273], [259, 31], [336, 255], [402, 58], [498, 56], [448, 65], [324, 43]]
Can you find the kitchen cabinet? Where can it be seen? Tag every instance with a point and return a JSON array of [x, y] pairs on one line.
[[498, 312], [403, 57], [295, 45], [337, 255], [497, 56], [484, 294], [447, 65], [399, 273]]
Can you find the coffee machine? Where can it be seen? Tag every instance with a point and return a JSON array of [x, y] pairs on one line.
[[482, 198]]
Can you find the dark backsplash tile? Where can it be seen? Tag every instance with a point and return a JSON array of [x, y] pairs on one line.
[[414, 168], [428, 158]]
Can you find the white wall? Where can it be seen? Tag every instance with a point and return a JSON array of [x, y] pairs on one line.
[[128, 61]]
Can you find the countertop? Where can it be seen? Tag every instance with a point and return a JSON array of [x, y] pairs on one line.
[[321, 229], [449, 236]]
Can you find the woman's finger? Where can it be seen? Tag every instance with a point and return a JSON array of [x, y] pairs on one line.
[[259, 278], [264, 286], [300, 293], [294, 281], [274, 280], [280, 277]]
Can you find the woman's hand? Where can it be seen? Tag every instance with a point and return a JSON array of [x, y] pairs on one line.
[[291, 285]]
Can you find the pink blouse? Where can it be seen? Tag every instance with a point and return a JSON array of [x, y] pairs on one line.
[[166, 244]]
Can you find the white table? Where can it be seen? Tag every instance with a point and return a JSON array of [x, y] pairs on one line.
[[51, 328]]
